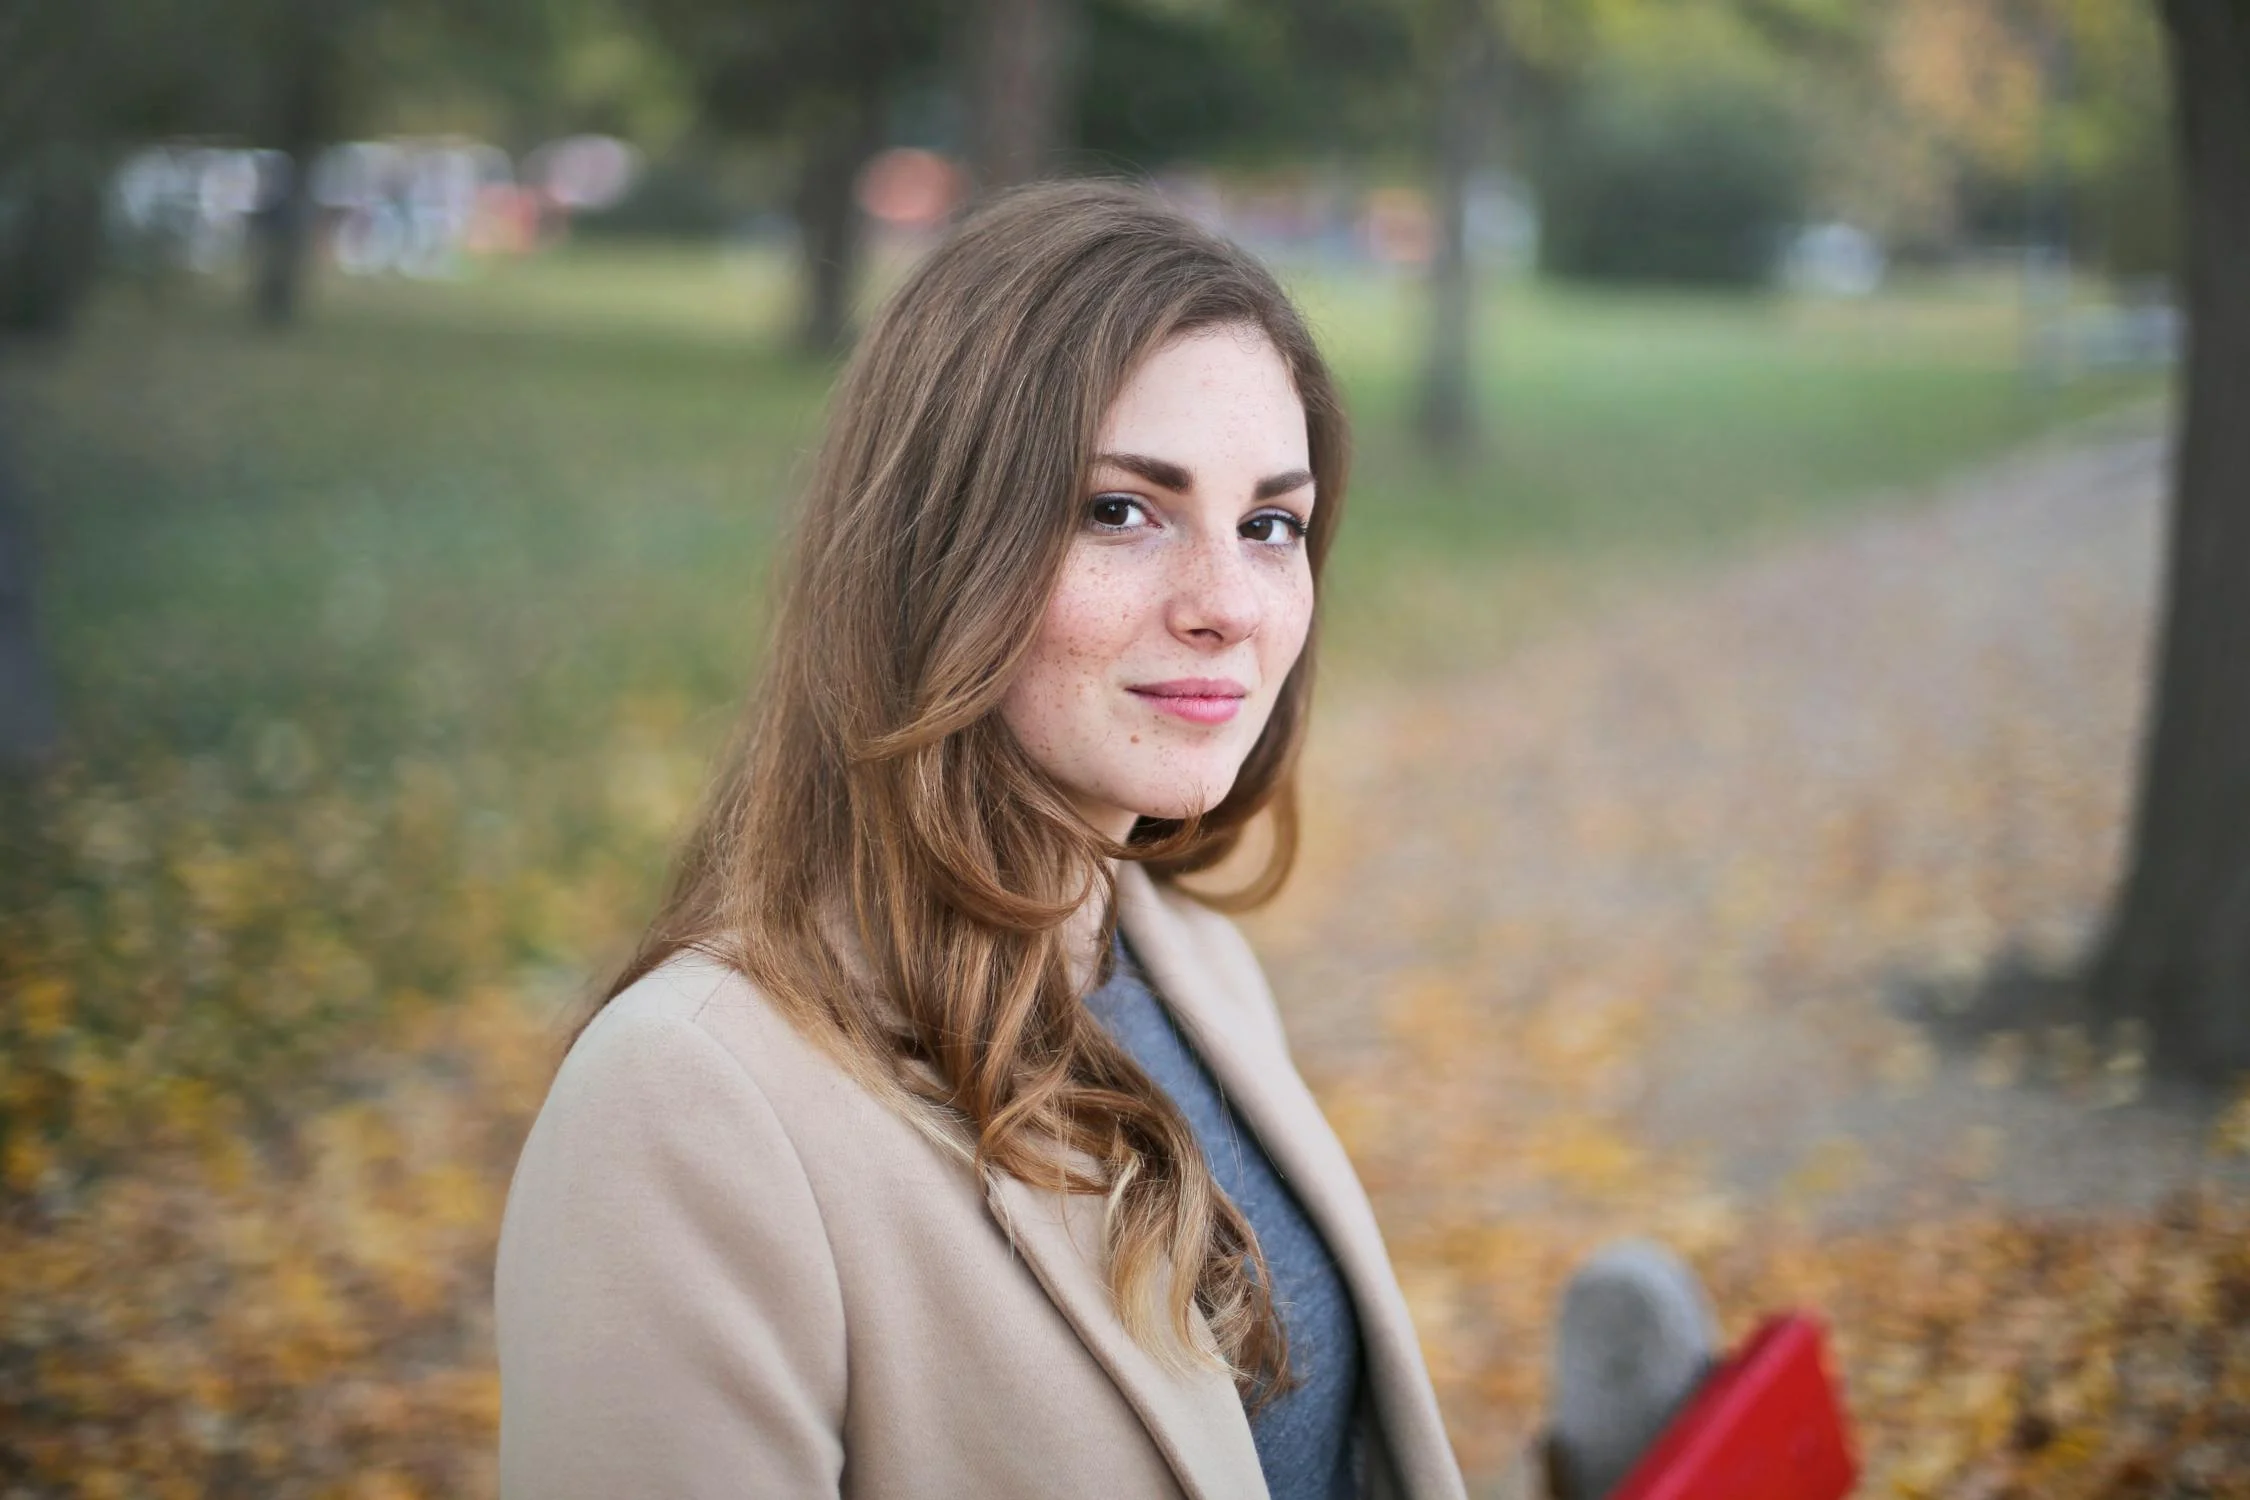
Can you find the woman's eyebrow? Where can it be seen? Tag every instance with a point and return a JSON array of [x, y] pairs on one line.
[[1281, 484], [1173, 477], [1156, 471]]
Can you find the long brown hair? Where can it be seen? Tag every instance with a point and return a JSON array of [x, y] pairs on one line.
[[879, 855]]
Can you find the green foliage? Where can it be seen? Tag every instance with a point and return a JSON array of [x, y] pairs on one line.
[[795, 65], [2124, 201], [1672, 166], [2125, 212], [1159, 83]]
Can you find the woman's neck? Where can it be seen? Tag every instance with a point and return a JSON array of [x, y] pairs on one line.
[[1082, 934]]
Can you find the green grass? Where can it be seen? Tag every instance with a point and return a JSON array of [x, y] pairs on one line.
[[434, 505], [1631, 433], [479, 512]]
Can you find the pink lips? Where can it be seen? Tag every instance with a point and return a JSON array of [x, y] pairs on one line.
[[1199, 700]]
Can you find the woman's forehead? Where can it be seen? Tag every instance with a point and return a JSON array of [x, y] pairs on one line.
[[1219, 395]]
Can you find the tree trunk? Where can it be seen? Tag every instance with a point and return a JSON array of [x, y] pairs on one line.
[[2177, 953], [284, 240], [1445, 412], [828, 220], [48, 254], [1022, 63], [310, 61], [28, 728]]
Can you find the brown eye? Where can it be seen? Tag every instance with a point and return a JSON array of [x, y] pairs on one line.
[[1274, 528], [1116, 512]]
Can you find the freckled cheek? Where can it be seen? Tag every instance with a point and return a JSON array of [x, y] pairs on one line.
[[1098, 614], [1289, 612], [1090, 625], [1082, 644]]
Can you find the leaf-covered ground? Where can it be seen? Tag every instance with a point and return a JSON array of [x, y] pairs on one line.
[[1628, 937], [393, 651]]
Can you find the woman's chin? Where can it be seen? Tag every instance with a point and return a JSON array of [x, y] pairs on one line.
[[1175, 803]]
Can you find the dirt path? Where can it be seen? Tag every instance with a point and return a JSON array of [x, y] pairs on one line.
[[1611, 940]]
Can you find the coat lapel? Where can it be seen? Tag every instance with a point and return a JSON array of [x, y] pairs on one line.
[[1235, 1035], [1196, 1419]]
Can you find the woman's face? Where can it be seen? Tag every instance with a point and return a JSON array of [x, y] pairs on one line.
[[1187, 592]]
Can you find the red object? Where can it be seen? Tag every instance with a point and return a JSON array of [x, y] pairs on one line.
[[1766, 1425]]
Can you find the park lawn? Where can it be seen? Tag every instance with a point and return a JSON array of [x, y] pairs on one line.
[[557, 481], [1632, 435], [515, 530], [519, 527], [393, 648]]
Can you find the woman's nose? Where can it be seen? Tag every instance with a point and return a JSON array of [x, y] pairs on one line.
[[1215, 598]]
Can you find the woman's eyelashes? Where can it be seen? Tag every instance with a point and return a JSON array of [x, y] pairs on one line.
[[1113, 514], [1117, 514], [1276, 527]]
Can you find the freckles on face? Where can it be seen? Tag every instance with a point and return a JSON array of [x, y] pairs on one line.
[[1186, 595]]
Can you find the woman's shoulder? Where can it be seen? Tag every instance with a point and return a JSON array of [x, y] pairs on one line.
[[690, 1024], [689, 993], [695, 1023], [661, 1202]]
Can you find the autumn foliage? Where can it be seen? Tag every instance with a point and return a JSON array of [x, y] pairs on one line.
[[1605, 933]]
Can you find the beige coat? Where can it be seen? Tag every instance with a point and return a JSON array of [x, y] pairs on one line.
[[727, 1270]]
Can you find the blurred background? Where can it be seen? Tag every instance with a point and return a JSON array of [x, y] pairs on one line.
[[1738, 659]]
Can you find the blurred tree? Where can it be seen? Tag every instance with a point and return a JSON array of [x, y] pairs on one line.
[[1271, 81], [2177, 954], [324, 68], [1464, 41], [1157, 84], [2116, 149], [1432, 76], [1458, 82], [824, 75], [76, 83], [51, 195], [1680, 157], [1024, 61], [305, 47], [2006, 120], [1482, 64], [27, 705], [522, 72]]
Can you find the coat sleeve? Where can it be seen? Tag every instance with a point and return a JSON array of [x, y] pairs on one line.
[[668, 1313]]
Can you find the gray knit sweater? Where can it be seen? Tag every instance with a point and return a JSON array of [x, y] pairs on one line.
[[1303, 1437]]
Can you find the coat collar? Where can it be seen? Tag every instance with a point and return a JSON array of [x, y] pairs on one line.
[[1197, 1421]]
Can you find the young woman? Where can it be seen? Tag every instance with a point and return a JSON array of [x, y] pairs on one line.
[[939, 1141]]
